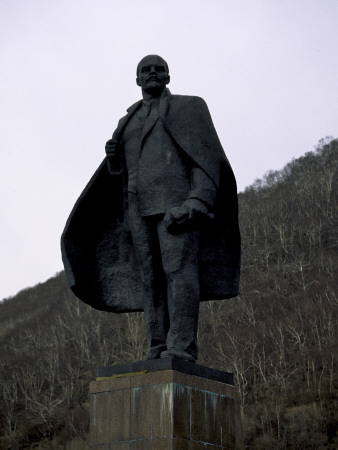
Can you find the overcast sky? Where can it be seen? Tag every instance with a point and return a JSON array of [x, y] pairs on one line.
[[268, 70]]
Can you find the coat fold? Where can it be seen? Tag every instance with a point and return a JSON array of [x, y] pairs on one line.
[[96, 244]]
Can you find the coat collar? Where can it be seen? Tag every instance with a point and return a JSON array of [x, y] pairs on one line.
[[133, 107], [166, 94], [164, 104]]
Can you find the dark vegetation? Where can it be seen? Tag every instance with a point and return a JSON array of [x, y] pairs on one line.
[[279, 337]]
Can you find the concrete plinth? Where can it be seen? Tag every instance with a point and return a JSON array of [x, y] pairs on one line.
[[164, 409]]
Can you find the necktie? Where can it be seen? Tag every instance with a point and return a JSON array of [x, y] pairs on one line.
[[147, 117], [147, 108]]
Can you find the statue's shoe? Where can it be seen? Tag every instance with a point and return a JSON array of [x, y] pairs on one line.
[[155, 352], [180, 354]]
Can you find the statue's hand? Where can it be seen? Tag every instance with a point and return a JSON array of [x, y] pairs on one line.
[[195, 208], [175, 218], [114, 157], [192, 211], [111, 150]]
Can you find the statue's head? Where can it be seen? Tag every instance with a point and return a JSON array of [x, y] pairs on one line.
[[152, 74]]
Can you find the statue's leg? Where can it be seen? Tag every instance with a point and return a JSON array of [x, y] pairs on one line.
[[179, 254], [145, 241]]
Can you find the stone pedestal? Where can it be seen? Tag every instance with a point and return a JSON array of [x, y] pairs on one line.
[[164, 405]]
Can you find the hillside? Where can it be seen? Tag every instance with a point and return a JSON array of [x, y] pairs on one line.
[[279, 337]]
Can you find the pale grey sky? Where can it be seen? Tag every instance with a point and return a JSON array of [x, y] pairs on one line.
[[268, 70]]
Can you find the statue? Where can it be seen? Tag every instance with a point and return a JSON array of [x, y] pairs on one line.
[[156, 228]]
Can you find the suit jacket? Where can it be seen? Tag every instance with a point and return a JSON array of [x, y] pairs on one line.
[[96, 245]]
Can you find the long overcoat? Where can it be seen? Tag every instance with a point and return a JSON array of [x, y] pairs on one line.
[[96, 243]]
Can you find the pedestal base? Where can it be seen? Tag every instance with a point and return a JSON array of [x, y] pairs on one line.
[[164, 409]]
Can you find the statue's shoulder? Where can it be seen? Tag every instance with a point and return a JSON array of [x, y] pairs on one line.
[[189, 103], [189, 106], [122, 122], [134, 106], [188, 99]]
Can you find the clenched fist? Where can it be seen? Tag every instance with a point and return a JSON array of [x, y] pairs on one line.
[[192, 210]]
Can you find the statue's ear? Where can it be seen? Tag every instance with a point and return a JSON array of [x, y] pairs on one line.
[[168, 79], [138, 81]]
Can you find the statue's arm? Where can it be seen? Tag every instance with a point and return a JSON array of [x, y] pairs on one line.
[[202, 188], [201, 197], [197, 206]]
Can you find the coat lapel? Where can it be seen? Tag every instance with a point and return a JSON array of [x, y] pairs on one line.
[[164, 104], [124, 120], [163, 111], [149, 123], [162, 114]]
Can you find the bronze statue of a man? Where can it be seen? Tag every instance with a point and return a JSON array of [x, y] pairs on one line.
[[156, 228]]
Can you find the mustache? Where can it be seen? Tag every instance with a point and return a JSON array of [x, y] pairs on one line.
[[153, 77]]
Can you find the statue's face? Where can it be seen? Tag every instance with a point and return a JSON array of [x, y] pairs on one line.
[[152, 74]]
